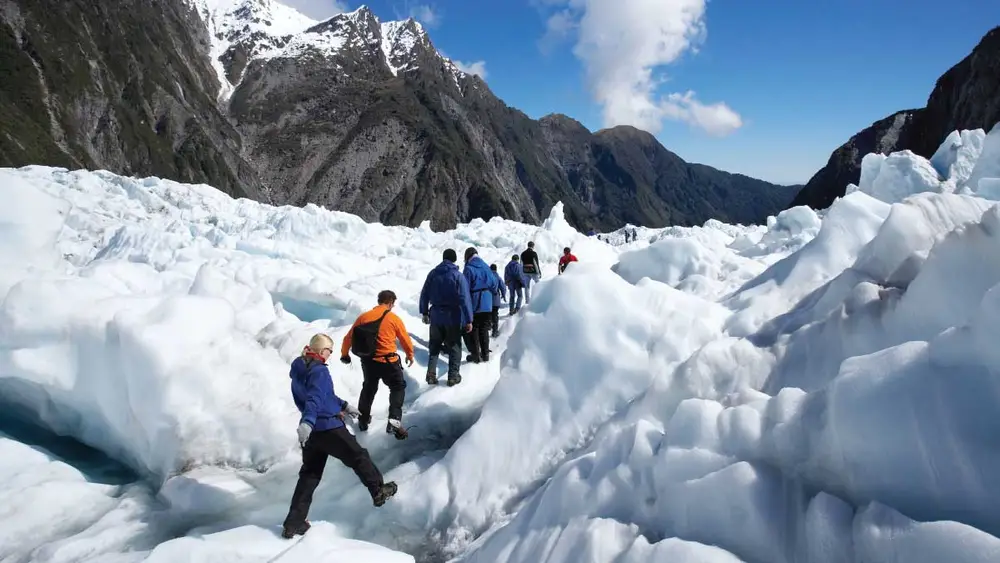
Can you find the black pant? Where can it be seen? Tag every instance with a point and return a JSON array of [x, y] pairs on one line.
[[340, 444], [495, 319], [447, 339], [390, 373], [478, 341]]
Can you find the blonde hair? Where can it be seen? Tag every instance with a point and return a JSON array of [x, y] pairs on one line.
[[317, 343]]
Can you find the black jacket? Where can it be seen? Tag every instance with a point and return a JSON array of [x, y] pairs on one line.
[[529, 262]]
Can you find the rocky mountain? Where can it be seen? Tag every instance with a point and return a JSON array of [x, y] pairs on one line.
[[967, 96], [351, 113], [122, 85]]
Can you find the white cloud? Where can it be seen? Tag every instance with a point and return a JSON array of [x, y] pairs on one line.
[[478, 68], [558, 28], [622, 43], [425, 14], [716, 119], [317, 9]]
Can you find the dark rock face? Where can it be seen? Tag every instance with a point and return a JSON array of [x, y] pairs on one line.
[[121, 85], [352, 114], [965, 97]]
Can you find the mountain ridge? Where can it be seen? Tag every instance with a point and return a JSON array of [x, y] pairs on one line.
[[349, 112], [966, 96]]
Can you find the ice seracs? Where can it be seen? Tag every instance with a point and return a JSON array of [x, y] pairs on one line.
[[820, 389]]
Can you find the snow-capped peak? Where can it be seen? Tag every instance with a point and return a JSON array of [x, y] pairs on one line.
[[265, 29], [398, 41], [257, 26]]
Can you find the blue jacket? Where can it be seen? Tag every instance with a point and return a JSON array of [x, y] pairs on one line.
[[482, 281], [445, 296], [312, 391], [513, 274], [499, 292]]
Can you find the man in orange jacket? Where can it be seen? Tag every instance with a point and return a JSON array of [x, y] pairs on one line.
[[373, 339]]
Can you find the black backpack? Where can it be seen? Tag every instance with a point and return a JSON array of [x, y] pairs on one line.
[[365, 336]]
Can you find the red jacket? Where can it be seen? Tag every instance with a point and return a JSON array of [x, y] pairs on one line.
[[564, 260]]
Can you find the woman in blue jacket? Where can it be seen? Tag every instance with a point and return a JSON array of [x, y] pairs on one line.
[[322, 434]]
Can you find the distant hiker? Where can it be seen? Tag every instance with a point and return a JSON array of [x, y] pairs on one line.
[[321, 433], [532, 270], [373, 339], [514, 276], [635, 235], [499, 296], [445, 304], [565, 259], [591, 233], [482, 281]]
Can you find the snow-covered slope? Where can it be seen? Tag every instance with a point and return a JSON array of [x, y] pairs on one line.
[[249, 30], [818, 390]]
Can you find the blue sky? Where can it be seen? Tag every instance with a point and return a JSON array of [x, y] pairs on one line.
[[768, 88]]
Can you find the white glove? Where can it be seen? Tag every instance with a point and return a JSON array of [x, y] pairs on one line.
[[304, 430], [352, 411]]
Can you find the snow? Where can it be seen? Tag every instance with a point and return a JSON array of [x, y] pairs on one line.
[[269, 30], [821, 388]]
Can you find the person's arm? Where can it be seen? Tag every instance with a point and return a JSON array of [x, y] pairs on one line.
[[345, 347], [425, 297], [465, 300], [313, 400], [325, 378], [402, 336]]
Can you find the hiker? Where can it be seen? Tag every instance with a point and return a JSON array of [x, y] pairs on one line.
[[532, 270], [565, 259], [482, 281], [321, 433], [373, 339], [514, 276], [446, 306], [499, 296]]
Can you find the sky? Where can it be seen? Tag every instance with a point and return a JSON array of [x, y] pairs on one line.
[[766, 88]]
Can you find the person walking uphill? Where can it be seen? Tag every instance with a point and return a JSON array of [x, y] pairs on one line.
[[565, 259], [532, 270], [514, 276], [373, 339], [482, 282], [445, 304], [499, 296], [322, 434]]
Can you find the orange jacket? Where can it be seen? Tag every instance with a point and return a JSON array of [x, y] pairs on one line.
[[392, 328]]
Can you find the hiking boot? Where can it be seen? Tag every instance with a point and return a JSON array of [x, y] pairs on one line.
[[385, 492], [300, 530], [431, 379], [473, 359], [398, 431], [486, 358], [453, 381], [363, 422]]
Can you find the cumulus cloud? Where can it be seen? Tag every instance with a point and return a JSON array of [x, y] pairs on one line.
[[478, 68], [425, 14], [558, 28], [623, 44], [318, 9]]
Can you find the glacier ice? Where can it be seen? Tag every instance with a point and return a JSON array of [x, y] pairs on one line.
[[818, 389]]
